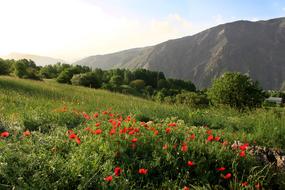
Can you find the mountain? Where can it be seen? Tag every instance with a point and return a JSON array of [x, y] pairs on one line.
[[253, 48], [39, 60]]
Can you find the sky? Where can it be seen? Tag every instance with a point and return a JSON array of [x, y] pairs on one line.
[[74, 29]]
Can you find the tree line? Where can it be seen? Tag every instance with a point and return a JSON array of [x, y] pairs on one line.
[[231, 89]]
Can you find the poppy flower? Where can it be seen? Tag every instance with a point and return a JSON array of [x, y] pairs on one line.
[[97, 124], [134, 140], [117, 171], [217, 138], [210, 138], [192, 136], [87, 129], [86, 116], [244, 184], [27, 133], [143, 171], [184, 148], [227, 176], [155, 132], [112, 131], [165, 147], [243, 147], [72, 136], [172, 125], [221, 169], [258, 186], [109, 178], [242, 154], [95, 115], [167, 130], [5, 134], [190, 163], [77, 140], [186, 188], [97, 132], [209, 132]]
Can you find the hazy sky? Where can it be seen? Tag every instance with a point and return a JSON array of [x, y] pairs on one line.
[[72, 29]]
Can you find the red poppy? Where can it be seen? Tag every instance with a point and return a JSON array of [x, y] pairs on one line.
[[112, 131], [117, 171], [165, 147], [209, 132], [109, 178], [167, 130], [77, 140], [27, 133], [221, 169], [243, 147], [134, 140], [5, 134], [258, 186], [184, 148], [242, 154], [105, 112], [227, 176], [217, 138], [143, 171], [72, 136], [86, 116], [155, 132], [192, 136], [95, 115], [186, 188], [97, 124], [171, 124], [190, 163], [97, 132], [244, 184], [210, 138], [87, 129]]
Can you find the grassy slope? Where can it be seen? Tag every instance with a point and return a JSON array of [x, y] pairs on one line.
[[21, 96], [30, 104]]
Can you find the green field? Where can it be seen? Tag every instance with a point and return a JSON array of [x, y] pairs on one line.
[[50, 158]]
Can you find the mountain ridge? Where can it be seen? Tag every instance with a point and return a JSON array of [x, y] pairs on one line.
[[253, 48]]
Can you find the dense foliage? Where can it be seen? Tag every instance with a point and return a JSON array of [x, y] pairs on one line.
[[236, 90]]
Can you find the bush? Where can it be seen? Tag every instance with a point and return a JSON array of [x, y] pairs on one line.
[[192, 99], [4, 67], [65, 76], [137, 84], [237, 91], [89, 79]]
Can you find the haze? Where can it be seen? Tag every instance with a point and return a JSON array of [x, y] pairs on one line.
[[72, 29]]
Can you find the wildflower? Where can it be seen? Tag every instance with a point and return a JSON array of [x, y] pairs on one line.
[[190, 163], [109, 178], [186, 188], [184, 148], [134, 140], [97, 124], [155, 132], [97, 132], [244, 184], [167, 130], [86, 116], [27, 133], [227, 176], [77, 140], [112, 131], [165, 147], [192, 136], [243, 147], [143, 171], [172, 125], [242, 154], [87, 129], [217, 138], [5, 134], [221, 169], [210, 138], [95, 115], [209, 132], [117, 171], [72, 136]]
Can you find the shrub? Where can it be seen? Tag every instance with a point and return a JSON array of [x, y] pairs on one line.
[[137, 84], [236, 90], [192, 99]]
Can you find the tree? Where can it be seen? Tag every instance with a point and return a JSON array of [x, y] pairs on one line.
[[26, 69], [137, 84], [4, 67], [89, 79], [65, 76], [236, 90]]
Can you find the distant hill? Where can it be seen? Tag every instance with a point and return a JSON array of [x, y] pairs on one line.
[[39, 60], [253, 48]]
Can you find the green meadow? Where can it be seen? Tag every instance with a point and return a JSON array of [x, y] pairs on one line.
[[70, 148]]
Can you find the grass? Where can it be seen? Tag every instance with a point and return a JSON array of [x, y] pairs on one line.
[[50, 158]]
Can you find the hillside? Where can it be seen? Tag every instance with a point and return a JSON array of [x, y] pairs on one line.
[[255, 48], [57, 136], [39, 60]]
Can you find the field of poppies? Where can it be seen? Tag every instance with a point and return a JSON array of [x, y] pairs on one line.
[[56, 136]]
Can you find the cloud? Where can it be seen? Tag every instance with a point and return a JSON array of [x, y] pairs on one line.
[[72, 28]]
